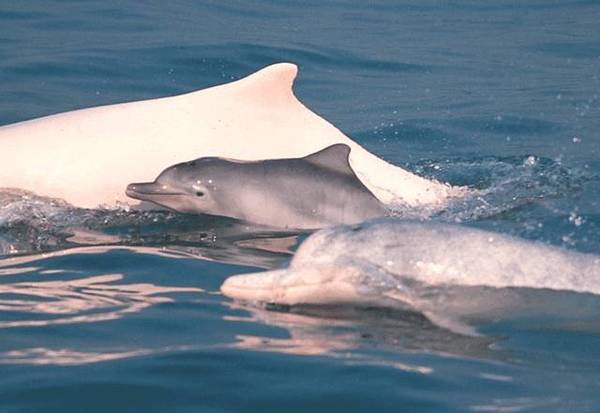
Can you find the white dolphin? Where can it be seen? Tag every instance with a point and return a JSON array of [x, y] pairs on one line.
[[87, 157], [404, 260], [449, 273]]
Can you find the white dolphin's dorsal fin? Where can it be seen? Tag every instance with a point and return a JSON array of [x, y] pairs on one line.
[[273, 84], [334, 157]]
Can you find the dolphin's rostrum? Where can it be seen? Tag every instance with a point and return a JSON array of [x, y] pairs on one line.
[[312, 192]]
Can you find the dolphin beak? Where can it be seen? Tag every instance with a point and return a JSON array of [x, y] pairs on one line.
[[260, 286], [296, 286], [145, 191]]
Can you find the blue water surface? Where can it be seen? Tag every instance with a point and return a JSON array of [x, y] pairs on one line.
[[497, 95]]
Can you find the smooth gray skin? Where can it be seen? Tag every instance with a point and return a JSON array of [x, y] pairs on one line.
[[316, 191]]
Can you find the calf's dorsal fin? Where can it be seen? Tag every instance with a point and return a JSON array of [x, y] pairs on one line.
[[334, 157]]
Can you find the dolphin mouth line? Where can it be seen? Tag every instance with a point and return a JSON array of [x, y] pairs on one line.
[[155, 193], [136, 194]]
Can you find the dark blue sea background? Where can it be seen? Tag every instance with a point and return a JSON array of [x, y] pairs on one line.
[[109, 311]]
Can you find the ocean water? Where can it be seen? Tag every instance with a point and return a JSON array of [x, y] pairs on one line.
[[110, 310]]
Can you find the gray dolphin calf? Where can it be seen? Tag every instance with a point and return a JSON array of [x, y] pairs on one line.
[[312, 192]]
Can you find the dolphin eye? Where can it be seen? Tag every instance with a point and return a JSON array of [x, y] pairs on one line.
[[199, 193]]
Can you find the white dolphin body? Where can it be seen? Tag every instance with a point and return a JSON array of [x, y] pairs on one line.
[[87, 157], [404, 260]]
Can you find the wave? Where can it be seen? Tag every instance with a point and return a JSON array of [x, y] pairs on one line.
[[495, 185], [501, 184]]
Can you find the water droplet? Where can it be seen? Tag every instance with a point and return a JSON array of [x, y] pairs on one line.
[[530, 161], [576, 219]]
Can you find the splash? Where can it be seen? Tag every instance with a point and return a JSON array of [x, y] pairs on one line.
[[498, 185]]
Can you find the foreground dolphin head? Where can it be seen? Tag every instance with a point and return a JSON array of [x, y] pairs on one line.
[[317, 190]]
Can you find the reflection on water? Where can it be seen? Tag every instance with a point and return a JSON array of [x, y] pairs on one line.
[[60, 299], [345, 332], [83, 300], [41, 356], [517, 404], [61, 290], [70, 296]]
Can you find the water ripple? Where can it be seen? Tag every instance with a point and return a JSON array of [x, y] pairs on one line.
[[83, 300]]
